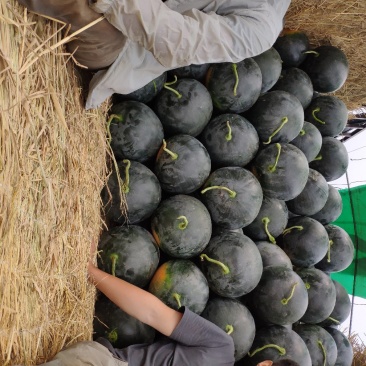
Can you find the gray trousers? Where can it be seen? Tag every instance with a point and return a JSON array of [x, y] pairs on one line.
[[87, 353]]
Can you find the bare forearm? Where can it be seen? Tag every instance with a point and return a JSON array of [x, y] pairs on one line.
[[135, 301]]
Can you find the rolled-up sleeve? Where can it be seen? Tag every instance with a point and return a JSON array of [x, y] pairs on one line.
[[227, 31]]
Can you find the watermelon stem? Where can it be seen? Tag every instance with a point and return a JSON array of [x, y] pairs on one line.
[[281, 350], [312, 52], [329, 245], [155, 87], [127, 174], [171, 153], [177, 298], [229, 136], [113, 335], [266, 221], [114, 258], [307, 285], [184, 224], [319, 157], [288, 230], [118, 117], [166, 86], [272, 168], [316, 110], [285, 301], [320, 344], [224, 267], [333, 320], [284, 120], [229, 329], [232, 194], [302, 133], [235, 70]]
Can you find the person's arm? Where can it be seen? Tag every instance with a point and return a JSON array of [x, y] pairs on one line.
[[195, 37], [136, 302]]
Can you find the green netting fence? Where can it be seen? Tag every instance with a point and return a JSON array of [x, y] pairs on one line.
[[353, 220]]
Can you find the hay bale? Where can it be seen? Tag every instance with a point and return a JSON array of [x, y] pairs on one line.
[[52, 169], [342, 24], [359, 350]]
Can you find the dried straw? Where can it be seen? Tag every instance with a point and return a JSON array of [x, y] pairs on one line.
[[340, 23], [52, 169], [359, 350]]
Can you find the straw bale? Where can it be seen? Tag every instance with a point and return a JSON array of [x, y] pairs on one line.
[[52, 168], [359, 350], [341, 24]]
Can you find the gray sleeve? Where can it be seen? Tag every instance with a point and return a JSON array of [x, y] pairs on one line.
[[244, 29]]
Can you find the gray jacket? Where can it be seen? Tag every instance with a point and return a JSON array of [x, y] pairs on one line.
[[163, 36]]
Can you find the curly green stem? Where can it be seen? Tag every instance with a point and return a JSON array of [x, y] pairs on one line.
[[302, 132], [284, 120], [229, 329], [289, 229], [166, 86], [312, 52], [235, 70], [114, 258], [182, 225], [229, 135], [316, 110], [320, 344], [272, 168], [281, 350], [171, 153], [330, 243], [118, 117], [232, 194], [224, 267], [285, 301], [266, 221], [127, 175], [177, 298]]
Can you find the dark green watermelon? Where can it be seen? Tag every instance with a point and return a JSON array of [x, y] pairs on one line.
[[291, 45], [321, 345], [270, 64], [184, 108], [327, 67], [332, 208], [170, 281], [342, 307], [328, 113], [233, 197], [183, 165], [146, 93], [345, 351], [270, 221], [341, 250], [197, 72], [309, 141], [305, 241], [296, 82], [121, 329], [277, 343], [131, 253], [282, 170], [332, 160], [312, 198], [280, 297], [234, 87], [273, 255], [322, 295], [181, 226], [235, 319], [141, 190], [277, 116], [231, 140], [232, 264], [136, 132]]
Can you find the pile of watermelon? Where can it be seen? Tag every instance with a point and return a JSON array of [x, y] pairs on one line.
[[225, 171]]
